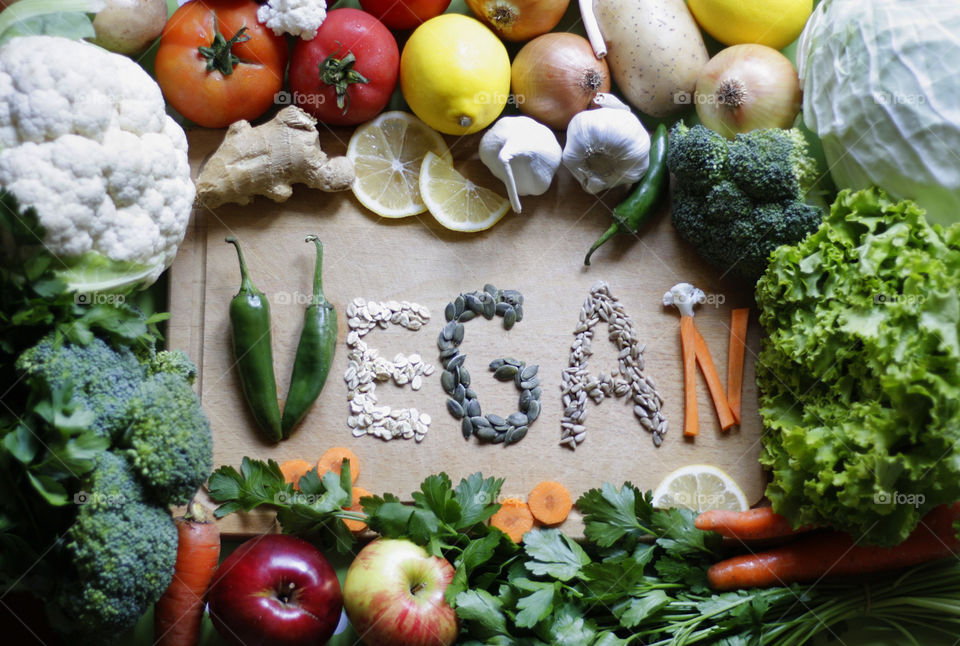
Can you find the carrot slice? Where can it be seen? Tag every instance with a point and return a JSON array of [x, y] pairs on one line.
[[738, 344], [691, 420], [713, 381], [333, 459], [513, 519], [356, 526], [550, 502], [293, 470]]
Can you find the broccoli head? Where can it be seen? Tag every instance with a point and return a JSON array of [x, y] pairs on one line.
[[175, 362], [736, 201], [168, 438], [103, 378], [123, 550]]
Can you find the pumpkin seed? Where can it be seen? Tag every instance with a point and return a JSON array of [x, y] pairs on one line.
[[493, 291], [472, 408], [448, 331], [529, 372], [536, 392], [471, 393], [473, 303], [466, 427], [505, 373], [486, 433], [496, 363], [480, 422], [525, 399], [517, 419], [519, 310], [455, 408], [509, 318], [455, 361], [510, 361], [533, 410], [499, 437], [489, 308], [531, 384], [467, 316], [515, 434], [458, 305], [443, 343], [458, 334], [513, 297], [448, 381], [496, 420], [449, 312], [449, 352], [501, 308], [464, 376]]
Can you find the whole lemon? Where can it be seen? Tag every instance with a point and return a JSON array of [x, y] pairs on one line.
[[455, 74], [774, 23]]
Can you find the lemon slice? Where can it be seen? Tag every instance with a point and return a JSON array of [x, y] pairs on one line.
[[387, 154], [456, 202], [700, 487]]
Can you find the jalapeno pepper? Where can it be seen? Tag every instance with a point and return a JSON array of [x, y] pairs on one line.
[[252, 352], [640, 205], [318, 341]]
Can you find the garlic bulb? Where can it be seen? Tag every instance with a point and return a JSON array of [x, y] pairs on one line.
[[523, 154], [606, 147]]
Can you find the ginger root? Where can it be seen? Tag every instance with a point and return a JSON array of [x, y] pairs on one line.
[[268, 159]]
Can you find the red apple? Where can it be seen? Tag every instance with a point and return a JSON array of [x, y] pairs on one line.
[[276, 590], [393, 595]]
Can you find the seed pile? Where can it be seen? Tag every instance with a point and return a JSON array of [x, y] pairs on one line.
[[365, 368], [455, 379], [627, 379]]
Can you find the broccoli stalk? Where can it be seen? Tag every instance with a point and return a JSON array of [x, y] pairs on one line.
[[736, 202]]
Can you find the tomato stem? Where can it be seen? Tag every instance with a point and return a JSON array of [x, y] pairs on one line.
[[220, 54], [339, 73]]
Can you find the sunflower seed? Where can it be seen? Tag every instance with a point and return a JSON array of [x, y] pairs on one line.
[[455, 408], [466, 427], [505, 373]]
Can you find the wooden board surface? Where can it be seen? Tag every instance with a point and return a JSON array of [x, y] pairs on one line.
[[539, 253]]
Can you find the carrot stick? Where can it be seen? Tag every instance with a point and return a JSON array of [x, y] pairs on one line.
[[333, 459], [550, 502], [834, 554], [513, 519], [713, 381], [750, 525], [739, 318], [179, 612], [293, 470], [356, 493], [691, 422]]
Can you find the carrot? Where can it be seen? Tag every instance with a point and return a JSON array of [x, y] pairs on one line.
[[713, 381], [293, 470], [738, 344], [750, 525], [356, 526], [691, 421], [835, 554], [333, 459], [513, 519], [550, 502], [179, 612]]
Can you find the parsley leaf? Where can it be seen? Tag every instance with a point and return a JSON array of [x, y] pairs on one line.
[[483, 608], [554, 554], [477, 498]]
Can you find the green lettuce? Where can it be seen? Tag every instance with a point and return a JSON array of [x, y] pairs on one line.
[[859, 370]]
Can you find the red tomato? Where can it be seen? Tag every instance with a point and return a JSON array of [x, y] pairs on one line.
[[346, 74], [404, 14], [245, 69]]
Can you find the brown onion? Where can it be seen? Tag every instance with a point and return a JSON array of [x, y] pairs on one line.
[[519, 20], [746, 87], [555, 76]]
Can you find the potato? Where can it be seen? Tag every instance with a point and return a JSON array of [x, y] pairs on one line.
[[655, 51], [129, 26]]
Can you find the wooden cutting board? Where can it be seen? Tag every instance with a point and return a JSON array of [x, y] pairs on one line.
[[540, 253]]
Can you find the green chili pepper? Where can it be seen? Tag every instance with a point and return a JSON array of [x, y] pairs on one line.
[[318, 341], [250, 329], [638, 208]]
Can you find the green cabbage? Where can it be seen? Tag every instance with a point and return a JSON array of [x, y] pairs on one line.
[[881, 90], [859, 372]]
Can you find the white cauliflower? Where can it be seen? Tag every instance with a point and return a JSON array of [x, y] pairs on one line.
[[296, 17], [86, 141]]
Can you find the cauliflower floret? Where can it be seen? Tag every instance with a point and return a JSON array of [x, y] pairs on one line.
[[296, 17], [86, 141]]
